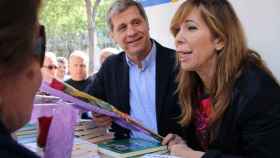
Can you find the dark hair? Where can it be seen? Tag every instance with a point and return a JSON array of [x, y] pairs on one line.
[[120, 6], [18, 26], [62, 60]]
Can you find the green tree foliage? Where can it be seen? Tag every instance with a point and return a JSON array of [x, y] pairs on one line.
[[101, 25], [66, 25]]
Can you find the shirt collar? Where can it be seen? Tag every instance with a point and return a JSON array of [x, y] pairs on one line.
[[150, 58]]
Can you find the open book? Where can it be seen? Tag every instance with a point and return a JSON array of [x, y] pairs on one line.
[[90, 103], [129, 148]]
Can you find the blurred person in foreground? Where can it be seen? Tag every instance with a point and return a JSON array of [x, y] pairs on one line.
[[49, 68], [230, 100], [138, 80], [62, 65], [21, 57]]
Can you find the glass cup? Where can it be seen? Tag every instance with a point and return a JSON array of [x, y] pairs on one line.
[[44, 123]]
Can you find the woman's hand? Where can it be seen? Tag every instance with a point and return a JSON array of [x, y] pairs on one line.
[[172, 139], [178, 147], [182, 150]]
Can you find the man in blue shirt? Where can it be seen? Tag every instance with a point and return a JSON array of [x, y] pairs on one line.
[[141, 79]]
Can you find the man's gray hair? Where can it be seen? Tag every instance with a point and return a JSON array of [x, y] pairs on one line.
[[79, 54], [120, 6]]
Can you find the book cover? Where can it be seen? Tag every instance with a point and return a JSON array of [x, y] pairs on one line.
[[90, 103], [129, 147]]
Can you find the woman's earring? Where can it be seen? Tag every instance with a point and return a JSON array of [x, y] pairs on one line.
[[219, 48], [219, 44]]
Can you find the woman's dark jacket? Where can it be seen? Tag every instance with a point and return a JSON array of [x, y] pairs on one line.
[[251, 124]]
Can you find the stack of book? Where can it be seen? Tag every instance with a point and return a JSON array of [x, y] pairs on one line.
[[27, 134], [82, 148], [87, 130], [130, 148], [45, 99]]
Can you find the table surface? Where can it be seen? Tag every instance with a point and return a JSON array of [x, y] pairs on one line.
[[81, 149], [86, 135]]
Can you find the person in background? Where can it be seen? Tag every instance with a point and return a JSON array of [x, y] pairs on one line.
[[78, 65], [22, 54], [105, 53], [49, 67], [229, 98], [139, 80], [61, 72]]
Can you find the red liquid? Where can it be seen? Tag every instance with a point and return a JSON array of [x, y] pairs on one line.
[[43, 129]]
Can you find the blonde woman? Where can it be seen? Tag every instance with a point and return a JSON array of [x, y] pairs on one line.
[[230, 100]]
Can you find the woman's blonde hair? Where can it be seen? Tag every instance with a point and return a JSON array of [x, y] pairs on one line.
[[223, 23]]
